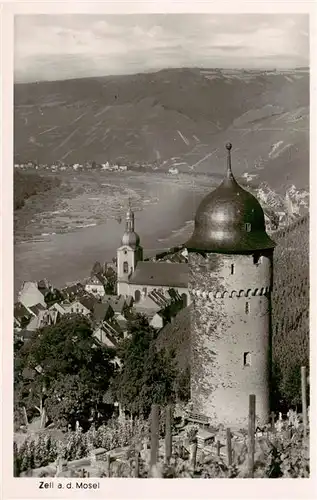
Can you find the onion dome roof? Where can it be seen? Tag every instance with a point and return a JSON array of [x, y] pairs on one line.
[[131, 239], [229, 220]]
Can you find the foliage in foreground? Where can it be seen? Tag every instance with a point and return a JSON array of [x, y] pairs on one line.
[[62, 371], [148, 376], [282, 454], [34, 453]]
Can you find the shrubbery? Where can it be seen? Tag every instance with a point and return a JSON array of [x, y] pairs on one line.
[[27, 184], [291, 310]]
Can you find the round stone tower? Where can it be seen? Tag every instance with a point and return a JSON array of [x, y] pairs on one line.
[[230, 283]]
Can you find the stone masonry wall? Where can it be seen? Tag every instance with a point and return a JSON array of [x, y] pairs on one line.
[[230, 336]]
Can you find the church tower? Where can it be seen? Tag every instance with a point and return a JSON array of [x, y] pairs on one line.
[[230, 283], [128, 254]]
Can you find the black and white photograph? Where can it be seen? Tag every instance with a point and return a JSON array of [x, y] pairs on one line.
[[161, 247]]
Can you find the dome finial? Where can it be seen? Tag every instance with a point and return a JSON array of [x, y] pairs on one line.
[[229, 169]]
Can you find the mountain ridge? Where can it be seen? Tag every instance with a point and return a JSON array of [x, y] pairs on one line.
[[169, 118]]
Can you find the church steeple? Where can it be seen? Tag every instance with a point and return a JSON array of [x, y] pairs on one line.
[[129, 253], [129, 219], [130, 237]]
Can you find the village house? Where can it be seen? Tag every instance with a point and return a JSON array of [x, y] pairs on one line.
[[43, 318], [22, 316], [36, 309], [102, 312], [173, 171], [77, 307], [96, 285], [74, 291], [58, 307], [30, 295], [108, 334]]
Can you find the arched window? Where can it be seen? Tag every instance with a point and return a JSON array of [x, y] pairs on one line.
[[184, 297], [246, 359], [125, 267], [137, 295]]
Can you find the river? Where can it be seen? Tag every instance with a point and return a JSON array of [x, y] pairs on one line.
[[63, 237]]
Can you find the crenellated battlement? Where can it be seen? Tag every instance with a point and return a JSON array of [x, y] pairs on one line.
[[196, 292]]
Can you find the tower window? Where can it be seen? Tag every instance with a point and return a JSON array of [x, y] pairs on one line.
[[247, 227], [232, 268], [125, 252], [257, 259], [246, 359], [125, 267], [247, 307]]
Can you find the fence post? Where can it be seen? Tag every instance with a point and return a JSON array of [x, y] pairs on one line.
[[304, 398], [229, 447], [154, 435], [193, 453], [251, 435], [25, 416], [218, 448], [108, 465], [137, 464], [168, 434]]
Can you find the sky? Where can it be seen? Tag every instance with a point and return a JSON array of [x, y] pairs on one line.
[[58, 47]]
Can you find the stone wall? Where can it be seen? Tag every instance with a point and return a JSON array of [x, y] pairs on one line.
[[230, 336]]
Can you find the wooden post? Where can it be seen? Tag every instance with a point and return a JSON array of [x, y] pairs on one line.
[[137, 464], [108, 465], [154, 435], [229, 447], [194, 447], [251, 435], [218, 448], [304, 398], [168, 434], [25, 416]]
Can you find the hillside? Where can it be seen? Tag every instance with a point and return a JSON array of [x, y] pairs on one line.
[[178, 117], [290, 312]]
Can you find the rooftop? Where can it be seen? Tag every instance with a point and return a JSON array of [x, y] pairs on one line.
[[229, 220]]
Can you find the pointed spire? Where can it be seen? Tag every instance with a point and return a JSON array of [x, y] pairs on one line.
[[229, 169], [129, 218]]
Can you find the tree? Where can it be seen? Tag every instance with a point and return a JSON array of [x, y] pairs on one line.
[[60, 359], [53, 296], [147, 376], [182, 385], [96, 269]]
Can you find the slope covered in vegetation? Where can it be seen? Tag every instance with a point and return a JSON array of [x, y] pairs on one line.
[[291, 308], [27, 184]]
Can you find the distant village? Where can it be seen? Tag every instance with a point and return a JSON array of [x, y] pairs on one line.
[[60, 166]]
